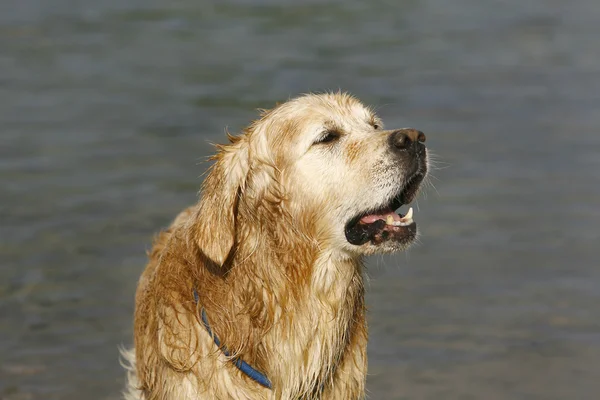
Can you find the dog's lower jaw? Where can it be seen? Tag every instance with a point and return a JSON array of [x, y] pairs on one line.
[[357, 253], [389, 247]]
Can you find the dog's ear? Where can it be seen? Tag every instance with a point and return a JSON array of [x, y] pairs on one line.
[[221, 192]]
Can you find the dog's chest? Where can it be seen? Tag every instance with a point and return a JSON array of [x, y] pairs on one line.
[[309, 341]]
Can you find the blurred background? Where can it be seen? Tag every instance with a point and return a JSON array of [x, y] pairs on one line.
[[107, 109]]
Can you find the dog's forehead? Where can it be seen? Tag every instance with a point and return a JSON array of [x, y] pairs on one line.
[[339, 107]]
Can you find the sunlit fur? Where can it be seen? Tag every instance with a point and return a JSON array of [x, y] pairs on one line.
[[266, 251]]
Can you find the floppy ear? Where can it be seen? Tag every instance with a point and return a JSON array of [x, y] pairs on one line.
[[221, 193]]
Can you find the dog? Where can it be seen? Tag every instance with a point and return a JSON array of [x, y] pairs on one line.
[[257, 291]]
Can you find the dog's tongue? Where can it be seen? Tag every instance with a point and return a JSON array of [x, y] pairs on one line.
[[383, 214]]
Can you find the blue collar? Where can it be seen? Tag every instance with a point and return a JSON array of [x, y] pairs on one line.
[[242, 365]]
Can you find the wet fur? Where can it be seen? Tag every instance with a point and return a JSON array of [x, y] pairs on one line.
[[264, 248]]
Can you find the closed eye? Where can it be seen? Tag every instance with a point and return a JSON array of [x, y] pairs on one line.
[[329, 136], [375, 123]]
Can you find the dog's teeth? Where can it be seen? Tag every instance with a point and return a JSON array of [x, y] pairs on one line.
[[404, 222]]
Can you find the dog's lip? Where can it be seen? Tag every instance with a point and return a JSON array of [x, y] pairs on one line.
[[389, 214], [411, 188], [384, 223], [381, 225], [379, 231]]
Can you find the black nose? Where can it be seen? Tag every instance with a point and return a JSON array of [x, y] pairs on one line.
[[406, 139]]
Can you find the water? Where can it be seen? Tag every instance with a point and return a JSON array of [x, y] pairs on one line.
[[107, 108]]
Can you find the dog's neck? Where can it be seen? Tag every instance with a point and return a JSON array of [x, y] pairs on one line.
[[279, 297]]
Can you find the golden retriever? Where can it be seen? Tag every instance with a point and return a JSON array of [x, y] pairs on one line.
[[257, 291]]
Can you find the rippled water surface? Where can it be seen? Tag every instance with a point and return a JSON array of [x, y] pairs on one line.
[[106, 112]]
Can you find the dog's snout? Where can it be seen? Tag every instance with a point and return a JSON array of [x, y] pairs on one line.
[[407, 139]]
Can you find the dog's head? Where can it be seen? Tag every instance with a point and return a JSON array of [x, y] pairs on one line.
[[322, 166]]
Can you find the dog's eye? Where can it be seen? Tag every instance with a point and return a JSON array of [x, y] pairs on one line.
[[328, 137], [376, 126]]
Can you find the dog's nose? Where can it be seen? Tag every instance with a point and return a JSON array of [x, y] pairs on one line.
[[406, 139]]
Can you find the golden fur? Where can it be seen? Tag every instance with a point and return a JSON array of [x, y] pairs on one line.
[[265, 249]]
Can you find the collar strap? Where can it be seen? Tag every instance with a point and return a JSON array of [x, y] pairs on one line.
[[242, 365]]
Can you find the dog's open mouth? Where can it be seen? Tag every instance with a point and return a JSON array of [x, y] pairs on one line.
[[384, 224]]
